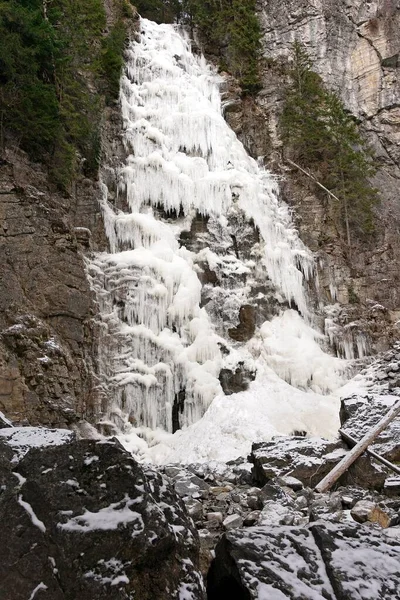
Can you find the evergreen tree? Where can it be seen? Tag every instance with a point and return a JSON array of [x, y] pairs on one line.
[[231, 26], [49, 52], [325, 139]]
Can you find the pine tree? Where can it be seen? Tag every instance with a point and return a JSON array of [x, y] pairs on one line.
[[324, 138]]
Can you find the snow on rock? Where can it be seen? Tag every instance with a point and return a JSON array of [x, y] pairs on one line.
[[40, 586], [110, 517], [363, 562], [35, 521], [22, 439], [286, 563], [106, 533], [4, 422], [368, 397], [360, 413], [281, 562], [309, 460]]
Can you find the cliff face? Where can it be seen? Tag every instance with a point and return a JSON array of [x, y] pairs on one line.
[[355, 48], [48, 332], [45, 300], [48, 339]]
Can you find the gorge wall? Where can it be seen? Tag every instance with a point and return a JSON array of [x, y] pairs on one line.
[[48, 333], [48, 316], [355, 49]]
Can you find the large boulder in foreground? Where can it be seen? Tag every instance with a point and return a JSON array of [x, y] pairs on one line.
[[85, 520], [324, 561]]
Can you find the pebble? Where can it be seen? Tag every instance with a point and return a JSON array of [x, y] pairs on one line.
[[214, 517]]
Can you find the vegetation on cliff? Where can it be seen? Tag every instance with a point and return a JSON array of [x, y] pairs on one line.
[[228, 28], [324, 138], [58, 67]]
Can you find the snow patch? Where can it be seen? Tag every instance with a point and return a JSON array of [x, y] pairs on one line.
[[35, 521], [108, 518]]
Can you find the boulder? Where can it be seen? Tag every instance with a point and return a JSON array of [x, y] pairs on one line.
[[85, 520], [308, 460], [325, 561], [358, 414], [365, 510], [232, 522]]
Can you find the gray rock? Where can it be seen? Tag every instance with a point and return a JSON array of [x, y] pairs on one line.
[[254, 502], [348, 501], [214, 517], [308, 460], [274, 513], [252, 518], [103, 520], [172, 471], [233, 522], [272, 491], [359, 414], [382, 514], [265, 561], [192, 486], [301, 502], [194, 508], [392, 486], [362, 510], [291, 482]]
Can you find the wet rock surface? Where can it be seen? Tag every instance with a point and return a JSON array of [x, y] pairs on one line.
[[84, 520]]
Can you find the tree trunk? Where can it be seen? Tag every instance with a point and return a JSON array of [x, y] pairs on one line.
[[358, 449], [350, 440]]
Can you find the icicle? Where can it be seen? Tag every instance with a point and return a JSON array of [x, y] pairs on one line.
[[156, 342]]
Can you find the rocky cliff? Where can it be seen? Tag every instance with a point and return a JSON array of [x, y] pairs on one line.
[[355, 49], [48, 347], [48, 344]]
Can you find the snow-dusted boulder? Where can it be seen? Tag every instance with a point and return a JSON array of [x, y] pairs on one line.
[[323, 562], [85, 520], [359, 414], [309, 460], [22, 439]]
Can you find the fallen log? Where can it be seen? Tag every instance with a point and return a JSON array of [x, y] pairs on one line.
[[326, 483], [350, 440]]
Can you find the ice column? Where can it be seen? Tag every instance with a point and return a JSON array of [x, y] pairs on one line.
[[159, 347]]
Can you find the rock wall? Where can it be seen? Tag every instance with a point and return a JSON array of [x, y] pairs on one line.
[[48, 329], [45, 301], [355, 48]]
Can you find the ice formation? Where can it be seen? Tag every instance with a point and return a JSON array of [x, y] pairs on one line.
[[161, 352]]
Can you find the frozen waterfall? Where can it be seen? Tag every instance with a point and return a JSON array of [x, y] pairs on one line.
[[164, 342]]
